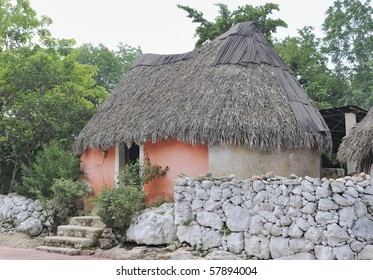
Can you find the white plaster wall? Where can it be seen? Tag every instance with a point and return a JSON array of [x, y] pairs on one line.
[[242, 162]]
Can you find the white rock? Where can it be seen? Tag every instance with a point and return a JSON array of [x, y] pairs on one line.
[[260, 197], [191, 234], [206, 184], [276, 231], [324, 253], [351, 191], [314, 235], [366, 253], [299, 256], [22, 216], [257, 247], [322, 192], [324, 217], [197, 204], [211, 239], [215, 193], [346, 216], [238, 218], [285, 220], [360, 209], [153, 226], [302, 224], [283, 200], [343, 253], [258, 186], [279, 247], [336, 235], [212, 205], [341, 200], [32, 226], [256, 225], [297, 245], [363, 228], [296, 201], [268, 216], [326, 204], [356, 246], [338, 187], [209, 219], [295, 231], [309, 208], [235, 242]]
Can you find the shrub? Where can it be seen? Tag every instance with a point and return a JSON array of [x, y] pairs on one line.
[[67, 200], [54, 162], [116, 206]]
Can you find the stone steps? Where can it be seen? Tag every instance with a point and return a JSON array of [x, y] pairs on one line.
[[82, 232], [68, 241], [60, 250]]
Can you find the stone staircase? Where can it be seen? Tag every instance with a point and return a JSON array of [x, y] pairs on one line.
[[82, 232]]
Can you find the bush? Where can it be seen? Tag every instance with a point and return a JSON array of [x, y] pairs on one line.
[[67, 200], [54, 162], [116, 206]]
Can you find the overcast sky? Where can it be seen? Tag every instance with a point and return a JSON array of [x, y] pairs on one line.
[[158, 26]]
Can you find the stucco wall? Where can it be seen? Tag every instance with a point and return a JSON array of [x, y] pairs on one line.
[[226, 160], [180, 158], [99, 169]]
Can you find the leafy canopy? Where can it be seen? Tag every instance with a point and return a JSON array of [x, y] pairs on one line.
[[209, 30]]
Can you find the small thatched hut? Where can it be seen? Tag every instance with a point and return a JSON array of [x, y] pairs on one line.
[[230, 107], [357, 146]]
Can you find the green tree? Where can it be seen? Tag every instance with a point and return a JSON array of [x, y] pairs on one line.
[[19, 25], [44, 96], [303, 55], [208, 30], [348, 41], [112, 65]]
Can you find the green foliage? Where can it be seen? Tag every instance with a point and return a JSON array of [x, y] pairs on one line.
[[54, 162], [116, 206], [66, 201], [207, 30], [348, 27], [20, 25], [152, 171], [304, 57], [225, 231], [112, 65]]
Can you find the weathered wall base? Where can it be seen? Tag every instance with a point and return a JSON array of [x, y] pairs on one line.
[[225, 160]]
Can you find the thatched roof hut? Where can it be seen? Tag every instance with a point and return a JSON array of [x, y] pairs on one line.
[[234, 90], [357, 146]]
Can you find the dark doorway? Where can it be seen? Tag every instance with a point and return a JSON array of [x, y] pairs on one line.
[[131, 154]]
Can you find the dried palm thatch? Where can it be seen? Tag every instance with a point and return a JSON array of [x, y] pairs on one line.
[[358, 144], [234, 90]]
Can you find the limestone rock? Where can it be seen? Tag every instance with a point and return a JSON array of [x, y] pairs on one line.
[[153, 226], [366, 253], [324, 253], [211, 239], [191, 234], [326, 204], [363, 228], [336, 235], [209, 219], [238, 218], [343, 253], [235, 242], [257, 247], [299, 256], [32, 226], [346, 216], [279, 247]]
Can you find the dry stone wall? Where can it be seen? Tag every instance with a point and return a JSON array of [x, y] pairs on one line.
[[23, 214], [272, 217]]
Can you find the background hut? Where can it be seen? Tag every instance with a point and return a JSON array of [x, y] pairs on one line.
[[357, 146], [230, 107]]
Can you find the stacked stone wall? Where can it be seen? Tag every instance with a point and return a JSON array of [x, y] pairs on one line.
[[272, 217], [24, 214]]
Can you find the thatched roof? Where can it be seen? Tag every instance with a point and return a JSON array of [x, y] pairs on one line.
[[234, 90], [358, 144]]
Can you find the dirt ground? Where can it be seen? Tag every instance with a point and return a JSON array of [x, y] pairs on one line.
[[19, 240]]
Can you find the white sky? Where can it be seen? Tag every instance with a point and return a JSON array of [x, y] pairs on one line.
[[159, 26]]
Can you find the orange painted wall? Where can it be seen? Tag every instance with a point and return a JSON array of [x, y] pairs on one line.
[[98, 169], [180, 158]]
